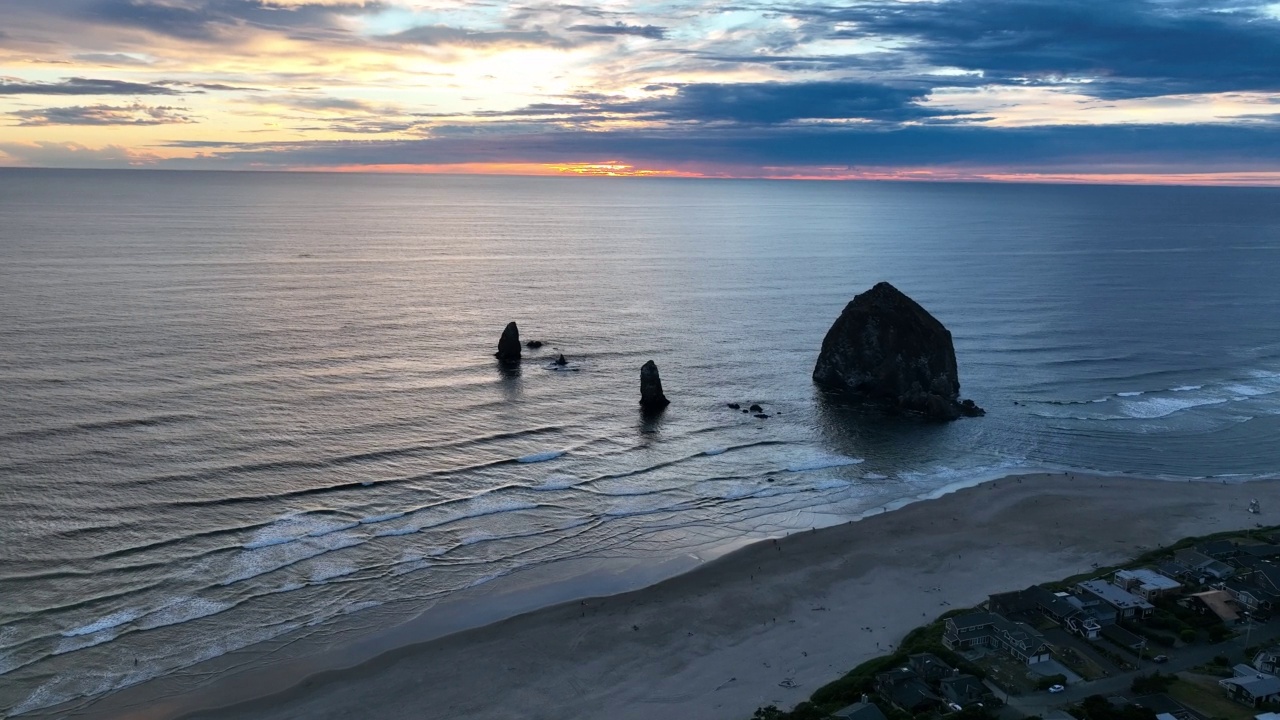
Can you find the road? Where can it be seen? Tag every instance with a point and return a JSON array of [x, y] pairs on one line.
[[1040, 703]]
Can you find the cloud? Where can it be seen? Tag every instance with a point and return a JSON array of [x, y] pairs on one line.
[[448, 36], [653, 32], [767, 103], [110, 59], [74, 155], [213, 19], [136, 114], [1127, 48], [83, 86]]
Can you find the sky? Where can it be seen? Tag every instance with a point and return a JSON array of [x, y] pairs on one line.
[[1176, 91]]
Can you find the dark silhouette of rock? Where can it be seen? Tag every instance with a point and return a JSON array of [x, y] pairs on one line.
[[651, 397], [762, 416], [756, 408], [561, 361], [887, 350], [734, 406], [746, 412], [509, 344], [533, 344]]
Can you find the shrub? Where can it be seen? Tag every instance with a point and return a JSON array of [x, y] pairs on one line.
[[1218, 633], [1049, 681], [1222, 660], [1151, 684], [1187, 635]]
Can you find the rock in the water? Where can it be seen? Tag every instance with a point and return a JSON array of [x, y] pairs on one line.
[[509, 344], [756, 408], [734, 406], [561, 361], [886, 349], [762, 416], [651, 397], [533, 344]]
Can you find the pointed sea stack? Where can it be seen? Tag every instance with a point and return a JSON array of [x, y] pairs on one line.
[[651, 397], [509, 344], [887, 350]]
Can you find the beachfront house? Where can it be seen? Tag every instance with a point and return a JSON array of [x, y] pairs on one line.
[[930, 667], [1251, 687], [1146, 584], [965, 690], [864, 710], [1127, 605], [1202, 567], [1248, 596], [989, 630], [907, 691], [1219, 549]]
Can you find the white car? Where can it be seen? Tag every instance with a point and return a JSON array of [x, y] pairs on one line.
[[1056, 688]]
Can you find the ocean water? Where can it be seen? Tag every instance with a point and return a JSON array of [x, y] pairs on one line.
[[246, 407]]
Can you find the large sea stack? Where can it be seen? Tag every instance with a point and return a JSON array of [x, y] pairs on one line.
[[651, 397], [509, 344], [887, 350]]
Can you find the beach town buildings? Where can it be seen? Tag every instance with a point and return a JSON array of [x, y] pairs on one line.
[[987, 629], [1251, 687]]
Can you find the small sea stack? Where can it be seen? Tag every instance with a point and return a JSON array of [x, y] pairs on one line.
[[651, 397], [561, 361], [509, 344], [885, 349], [533, 344]]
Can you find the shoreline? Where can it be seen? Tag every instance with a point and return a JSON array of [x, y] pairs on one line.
[[709, 642]]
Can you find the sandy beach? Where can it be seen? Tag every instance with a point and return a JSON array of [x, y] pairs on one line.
[[717, 641]]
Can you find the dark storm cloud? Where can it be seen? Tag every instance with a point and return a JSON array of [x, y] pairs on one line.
[[211, 19], [136, 114], [84, 86], [768, 103], [445, 35], [653, 32], [1042, 149], [1135, 48]]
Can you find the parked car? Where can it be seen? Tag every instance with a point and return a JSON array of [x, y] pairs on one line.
[[1056, 688], [1160, 659]]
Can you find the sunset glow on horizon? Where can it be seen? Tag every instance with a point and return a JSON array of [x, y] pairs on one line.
[[1150, 91]]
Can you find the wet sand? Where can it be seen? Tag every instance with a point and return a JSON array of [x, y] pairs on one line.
[[717, 641]]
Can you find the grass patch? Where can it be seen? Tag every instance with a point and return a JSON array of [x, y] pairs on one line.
[[1201, 693]]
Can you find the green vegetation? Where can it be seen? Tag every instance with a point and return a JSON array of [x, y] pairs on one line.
[[1203, 694], [1151, 684], [1171, 623]]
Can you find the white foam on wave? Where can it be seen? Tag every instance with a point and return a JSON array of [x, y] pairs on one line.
[[1186, 388], [824, 463], [392, 532], [182, 609], [328, 572], [1135, 393], [295, 526], [358, 606], [1157, 407], [113, 620], [541, 457], [715, 451], [875, 476], [381, 518], [252, 563], [437, 515]]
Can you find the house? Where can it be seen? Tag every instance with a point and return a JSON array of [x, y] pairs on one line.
[[1202, 565], [906, 691], [1218, 602], [929, 667], [1250, 687], [964, 690], [1126, 604], [995, 631], [1219, 549], [1124, 638], [1267, 661], [1146, 584], [1033, 599], [860, 711], [1266, 576], [1248, 596], [1259, 551]]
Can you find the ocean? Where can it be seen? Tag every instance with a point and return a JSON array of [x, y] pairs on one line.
[[247, 416]]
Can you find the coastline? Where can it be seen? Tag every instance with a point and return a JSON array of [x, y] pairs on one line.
[[716, 640]]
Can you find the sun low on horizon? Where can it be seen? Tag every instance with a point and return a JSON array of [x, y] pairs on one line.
[[1132, 91]]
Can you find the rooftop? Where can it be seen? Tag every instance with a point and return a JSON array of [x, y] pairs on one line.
[[1114, 595], [1149, 578]]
